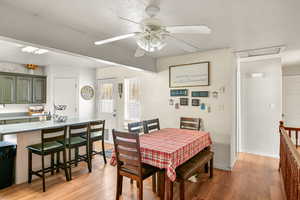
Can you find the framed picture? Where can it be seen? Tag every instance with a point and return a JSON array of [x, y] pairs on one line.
[[189, 75], [195, 102], [200, 93], [177, 93], [184, 101]]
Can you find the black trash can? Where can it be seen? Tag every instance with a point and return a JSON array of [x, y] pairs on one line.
[[7, 164]]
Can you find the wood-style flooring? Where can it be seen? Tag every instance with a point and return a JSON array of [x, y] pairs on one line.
[[253, 178]]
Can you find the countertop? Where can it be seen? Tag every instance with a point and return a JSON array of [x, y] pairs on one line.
[[13, 116], [35, 126]]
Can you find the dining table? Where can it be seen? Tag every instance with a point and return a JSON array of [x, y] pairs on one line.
[[167, 149]]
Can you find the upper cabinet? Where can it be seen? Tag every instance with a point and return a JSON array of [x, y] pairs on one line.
[[7, 89], [39, 90], [22, 88]]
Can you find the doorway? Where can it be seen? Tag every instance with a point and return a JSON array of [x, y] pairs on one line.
[[107, 105], [261, 106], [65, 93]]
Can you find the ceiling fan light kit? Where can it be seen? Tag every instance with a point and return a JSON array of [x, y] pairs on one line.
[[151, 42]]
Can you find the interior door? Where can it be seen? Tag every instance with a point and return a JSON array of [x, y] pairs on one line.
[[106, 103], [65, 93], [291, 100]]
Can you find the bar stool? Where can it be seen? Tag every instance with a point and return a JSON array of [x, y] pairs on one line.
[[96, 130], [49, 146], [75, 141]]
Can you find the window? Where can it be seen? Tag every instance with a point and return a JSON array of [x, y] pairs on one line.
[[106, 97], [132, 99]]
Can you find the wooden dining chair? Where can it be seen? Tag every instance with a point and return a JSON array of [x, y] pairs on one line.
[[151, 125], [128, 155], [137, 128], [190, 123]]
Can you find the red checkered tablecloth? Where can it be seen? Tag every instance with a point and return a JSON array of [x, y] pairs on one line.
[[168, 148]]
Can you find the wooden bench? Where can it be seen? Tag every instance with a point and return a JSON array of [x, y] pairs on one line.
[[192, 167]]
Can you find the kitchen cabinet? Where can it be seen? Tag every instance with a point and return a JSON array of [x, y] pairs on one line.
[[18, 88], [7, 89], [24, 90], [39, 90]]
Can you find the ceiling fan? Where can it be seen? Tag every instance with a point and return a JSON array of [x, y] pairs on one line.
[[153, 34]]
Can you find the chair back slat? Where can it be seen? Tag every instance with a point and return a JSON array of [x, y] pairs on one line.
[[151, 125], [136, 127], [78, 130], [53, 134], [190, 123], [97, 126], [127, 150]]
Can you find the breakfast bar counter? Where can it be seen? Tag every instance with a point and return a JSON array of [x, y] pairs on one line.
[[25, 134]]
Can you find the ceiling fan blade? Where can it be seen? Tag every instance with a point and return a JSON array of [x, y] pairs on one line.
[[139, 52], [129, 20], [113, 39], [183, 44], [189, 29]]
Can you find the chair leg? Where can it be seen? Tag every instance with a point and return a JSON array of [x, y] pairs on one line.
[[154, 183], [140, 190], [69, 164], [131, 181], [211, 168], [43, 173], [206, 168], [182, 190], [103, 151], [29, 166], [68, 178], [57, 161], [119, 186], [76, 156], [52, 163], [89, 160]]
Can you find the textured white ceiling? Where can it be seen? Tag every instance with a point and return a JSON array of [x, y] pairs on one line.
[[239, 24]]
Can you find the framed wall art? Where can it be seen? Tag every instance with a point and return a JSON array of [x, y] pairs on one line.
[[178, 93], [184, 101], [195, 102], [189, 75], [200, 93]]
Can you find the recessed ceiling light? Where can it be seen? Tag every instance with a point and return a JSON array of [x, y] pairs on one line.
[[41, 51], [29, 49], [34, 50]]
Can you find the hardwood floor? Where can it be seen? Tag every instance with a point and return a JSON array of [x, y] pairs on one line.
[[253, 178]]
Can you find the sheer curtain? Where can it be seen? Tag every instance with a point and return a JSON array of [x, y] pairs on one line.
[[106, 97], [132, 99]]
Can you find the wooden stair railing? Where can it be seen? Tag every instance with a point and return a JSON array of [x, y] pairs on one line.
[[292, 131], [289, 165]]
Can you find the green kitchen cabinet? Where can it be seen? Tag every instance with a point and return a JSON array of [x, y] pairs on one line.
[[24, 90], [16, 121], [7, 89], [39, 90]]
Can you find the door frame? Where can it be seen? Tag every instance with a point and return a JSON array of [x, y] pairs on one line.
[[76, 91], [116, 103]]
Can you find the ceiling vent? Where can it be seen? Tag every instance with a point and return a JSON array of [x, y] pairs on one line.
[[260, 52]]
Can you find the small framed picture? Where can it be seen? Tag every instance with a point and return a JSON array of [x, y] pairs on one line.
[[200, 93], [195, 102], [184, 101], [178, 93]]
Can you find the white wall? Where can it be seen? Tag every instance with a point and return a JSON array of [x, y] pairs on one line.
[[261, 106], [220, 122], [84, 77]]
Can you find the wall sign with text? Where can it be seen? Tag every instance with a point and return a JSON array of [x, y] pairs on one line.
[[189, 75]]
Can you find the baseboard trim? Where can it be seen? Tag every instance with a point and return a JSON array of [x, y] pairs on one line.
[[261, 154]]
